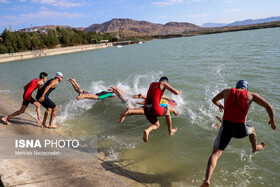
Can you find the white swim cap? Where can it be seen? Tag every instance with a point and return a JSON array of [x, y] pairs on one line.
[[59, 74]]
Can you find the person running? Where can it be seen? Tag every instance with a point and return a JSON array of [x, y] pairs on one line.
[[140, 111], [27, 98], [43, 98], [237, 103], [153, 109], [112, 91]]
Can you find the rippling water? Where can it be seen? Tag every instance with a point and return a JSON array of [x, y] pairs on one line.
[[200, 67]]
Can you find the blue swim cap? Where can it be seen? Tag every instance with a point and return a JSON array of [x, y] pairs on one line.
[[242, 84]]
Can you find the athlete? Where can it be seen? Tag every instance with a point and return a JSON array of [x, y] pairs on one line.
[[140, 111], [27, 98], [98, 96], [153, 109], [43, 97], [237, 103]]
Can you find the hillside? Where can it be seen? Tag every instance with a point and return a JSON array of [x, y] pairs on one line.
[[141, 27]]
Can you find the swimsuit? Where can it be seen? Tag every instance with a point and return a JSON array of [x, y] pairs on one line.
[[47, 103], [233, 125], [104, 95], [152, 106], [27, 96]]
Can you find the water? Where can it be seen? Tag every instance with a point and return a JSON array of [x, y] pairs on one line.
[[200, 67]]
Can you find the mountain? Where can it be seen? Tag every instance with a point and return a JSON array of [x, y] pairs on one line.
[[214, 24], [244, 22], [47, 27], [130, 26], [254, 21]]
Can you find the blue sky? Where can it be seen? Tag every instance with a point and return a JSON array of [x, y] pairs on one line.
[[26, 13]]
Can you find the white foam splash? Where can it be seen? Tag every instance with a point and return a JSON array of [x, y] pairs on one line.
[[133, 85]]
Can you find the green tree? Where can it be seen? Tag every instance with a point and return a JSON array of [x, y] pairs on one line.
[[65, 38], [27, 40], [3, 49]]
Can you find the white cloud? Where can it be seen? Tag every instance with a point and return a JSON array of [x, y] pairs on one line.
[[59, 3], [194, 1], [23, 18], [4, 1], [198, 15], [166, 3], [231, 10]]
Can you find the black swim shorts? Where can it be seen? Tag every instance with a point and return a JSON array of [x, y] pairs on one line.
[[230, 130], [26, 102], [47, 103], [151, 115]]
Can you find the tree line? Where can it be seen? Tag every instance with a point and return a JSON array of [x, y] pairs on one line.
[[21, 41]]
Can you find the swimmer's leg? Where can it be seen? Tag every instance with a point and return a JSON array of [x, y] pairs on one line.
[[118, 92], [173, 111], [75, 86], [253, 140], [20, 111], [212, 162], [169, 123], [53, 113], [130, 112], [87, 96], [148, 130]]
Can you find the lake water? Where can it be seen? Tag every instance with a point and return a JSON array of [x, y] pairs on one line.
[[200, 67]]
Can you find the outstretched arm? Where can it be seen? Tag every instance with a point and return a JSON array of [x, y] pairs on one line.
[[170, 88], [262, 102]]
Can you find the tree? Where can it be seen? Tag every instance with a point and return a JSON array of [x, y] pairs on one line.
[[3, 49], [27, 41]]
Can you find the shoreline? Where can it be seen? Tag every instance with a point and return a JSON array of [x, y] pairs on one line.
[[8, 57], [95, 171]]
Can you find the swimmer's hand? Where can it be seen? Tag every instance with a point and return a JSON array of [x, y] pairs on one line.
[[221, 108], [41, 99], [272, 124]]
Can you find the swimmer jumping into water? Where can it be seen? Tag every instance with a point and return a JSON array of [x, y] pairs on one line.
[[153, 109], [98, 96], [237, 103], [140, 111]]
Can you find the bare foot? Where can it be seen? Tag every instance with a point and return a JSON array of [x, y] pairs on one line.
[[216, 126], [205, 184], [123, 115], [259, 147], [80, 97], [145, 135], [174, 111], [5, 120], [219, 118], [122, 118], [173, 131], [44, 126], [52, 126], [39, 121]]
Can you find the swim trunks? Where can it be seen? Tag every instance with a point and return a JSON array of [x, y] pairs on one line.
[[230, 130], [26, 101], [104, 95], [84, 92], [47, 103]]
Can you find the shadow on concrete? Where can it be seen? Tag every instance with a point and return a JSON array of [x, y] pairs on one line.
[[161, 179], [20, 121]]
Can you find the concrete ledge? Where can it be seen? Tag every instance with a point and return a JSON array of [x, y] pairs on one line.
[[50, 52]]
